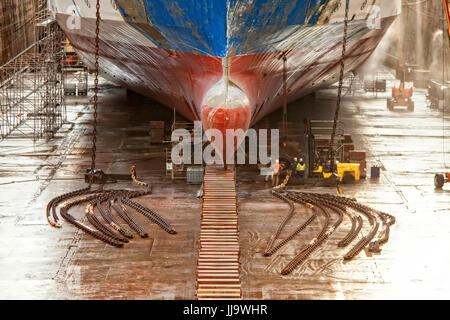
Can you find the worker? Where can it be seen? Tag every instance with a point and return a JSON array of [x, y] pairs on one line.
[[276, 167], [294, 165], [300, 168], [268, 170]]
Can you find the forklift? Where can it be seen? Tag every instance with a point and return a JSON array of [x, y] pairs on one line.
[[318, 152], [346, 172], [401, 97]]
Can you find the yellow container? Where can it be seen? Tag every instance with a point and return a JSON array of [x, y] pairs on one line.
[[327, 174], [318, 170], [352, 168]]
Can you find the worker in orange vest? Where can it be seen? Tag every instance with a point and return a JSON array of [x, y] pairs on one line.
[[276, 167]]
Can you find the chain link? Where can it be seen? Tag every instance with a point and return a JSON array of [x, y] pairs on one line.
[[97, 55], [341, 81], [327, 204]]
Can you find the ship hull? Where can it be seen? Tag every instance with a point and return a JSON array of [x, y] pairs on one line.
[[180, 78]]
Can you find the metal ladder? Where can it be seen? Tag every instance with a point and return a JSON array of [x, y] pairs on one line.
[[218, 270]]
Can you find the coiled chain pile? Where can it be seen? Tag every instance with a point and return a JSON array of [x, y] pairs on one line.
[[108, 228], [326, 205]]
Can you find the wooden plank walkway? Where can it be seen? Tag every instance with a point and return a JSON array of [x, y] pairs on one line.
[[218, 271]]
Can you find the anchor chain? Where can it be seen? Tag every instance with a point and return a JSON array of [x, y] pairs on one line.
[[271, 249], [341, 83], [326, 204], [135, 180], [97, 57], [109, 230], [285, 181]]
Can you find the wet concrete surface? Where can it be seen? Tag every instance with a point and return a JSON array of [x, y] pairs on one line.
[[412, 265], [38, 262]]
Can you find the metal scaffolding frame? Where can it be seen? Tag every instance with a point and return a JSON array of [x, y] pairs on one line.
[[31, 84]]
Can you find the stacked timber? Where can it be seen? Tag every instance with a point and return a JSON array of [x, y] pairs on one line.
[[359, 156]]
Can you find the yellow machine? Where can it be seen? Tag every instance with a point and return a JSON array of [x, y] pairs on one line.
[[319, 172], [347, 172], [319, 169]]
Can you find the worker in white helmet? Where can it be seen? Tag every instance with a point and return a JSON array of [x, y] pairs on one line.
[[294, 166], [300, 168]]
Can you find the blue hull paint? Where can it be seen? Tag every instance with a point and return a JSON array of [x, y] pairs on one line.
[[155, 50], [190, 25], [220, 27]]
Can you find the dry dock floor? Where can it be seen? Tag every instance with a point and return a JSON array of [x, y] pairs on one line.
[[38, 262]]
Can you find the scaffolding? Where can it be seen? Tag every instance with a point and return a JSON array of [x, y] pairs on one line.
[[31, 83], [177, 171], [75, 73]]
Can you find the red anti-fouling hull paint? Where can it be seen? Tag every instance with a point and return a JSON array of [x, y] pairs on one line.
[[223, 119], [181, 80]]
